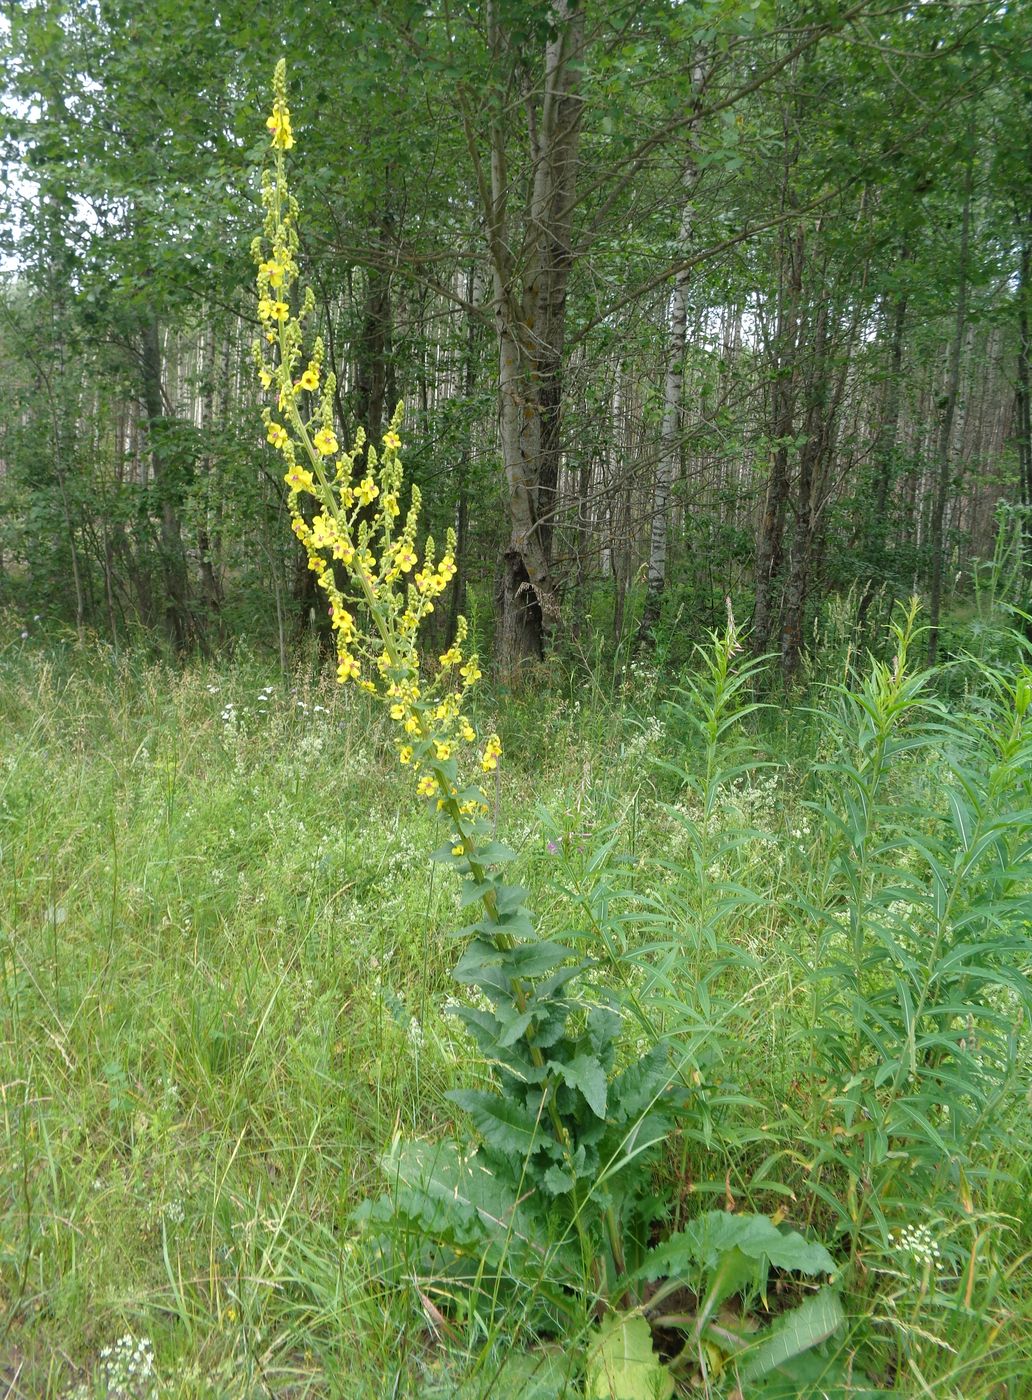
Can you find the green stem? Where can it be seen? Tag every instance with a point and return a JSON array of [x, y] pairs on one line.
[[520, 996], [502, 940]]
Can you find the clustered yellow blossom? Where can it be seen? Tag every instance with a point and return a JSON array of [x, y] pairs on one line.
[[346, 511]]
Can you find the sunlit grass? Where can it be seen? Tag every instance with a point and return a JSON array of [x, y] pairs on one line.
[[225, 961]]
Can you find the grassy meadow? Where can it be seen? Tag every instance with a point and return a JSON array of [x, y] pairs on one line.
[[225, 977]]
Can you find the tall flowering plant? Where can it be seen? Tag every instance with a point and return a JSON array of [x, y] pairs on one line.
[[556, 1115], [557, 1192], [347, 511]]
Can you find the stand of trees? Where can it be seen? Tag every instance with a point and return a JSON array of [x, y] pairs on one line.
[[684, 300]]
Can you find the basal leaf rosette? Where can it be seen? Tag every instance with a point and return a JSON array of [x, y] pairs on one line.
[[350, 513]]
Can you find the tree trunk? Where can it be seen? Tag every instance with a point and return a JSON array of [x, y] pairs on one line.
[[948, 407], [677, 334], [530, 316], [807, 492], [210, 582], [1023, 404], [770, 537], [374, 376], [876, 525], [173, 556], [468, 383]]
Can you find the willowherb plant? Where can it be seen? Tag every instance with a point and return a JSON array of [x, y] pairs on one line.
[[919, 966], [555, 1203]]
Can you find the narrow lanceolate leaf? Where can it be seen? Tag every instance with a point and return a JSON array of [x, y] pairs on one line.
[[812, 1322], [584, 1072], [502, 1124]]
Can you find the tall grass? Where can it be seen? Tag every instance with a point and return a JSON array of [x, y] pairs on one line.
[[224, 972]]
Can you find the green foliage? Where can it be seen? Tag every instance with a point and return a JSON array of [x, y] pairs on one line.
[[621, 1364], [222, 985], [922, 932], [568, 1128], [720, 1255], [558, 1194]]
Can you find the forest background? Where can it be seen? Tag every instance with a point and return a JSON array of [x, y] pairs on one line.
[[684, 303]]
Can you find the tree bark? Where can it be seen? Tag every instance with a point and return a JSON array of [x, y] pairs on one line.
[[1023, 405], [374, 372], [530, 317], [677, 335], [210, 582], [173, 555], [770, 536], [948, 408]]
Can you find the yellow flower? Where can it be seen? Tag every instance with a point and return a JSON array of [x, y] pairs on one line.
[[466, 731], [279, 126], [343, 621], [349, 669], [324, 532], [492, 753], [405, 558], [412, 724], [274, 271], [446, 569], [451, 657], [367, 491], [443, 750], [276, 434], [325, 442], [390, 505], [397, 710], [426, 786], [298, 479], [471, 672], [392, 441], [405, 753], [265, 377], [458, 850], [310, 379]]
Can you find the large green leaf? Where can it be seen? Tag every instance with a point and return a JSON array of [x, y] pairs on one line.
[[707, 1239], [502, 1124], [539, 1375], [584, 1072], [621, 1364], [812, 1322], [460, 1189]]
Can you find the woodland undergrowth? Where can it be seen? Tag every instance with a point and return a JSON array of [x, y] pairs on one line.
[[227, 990]]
